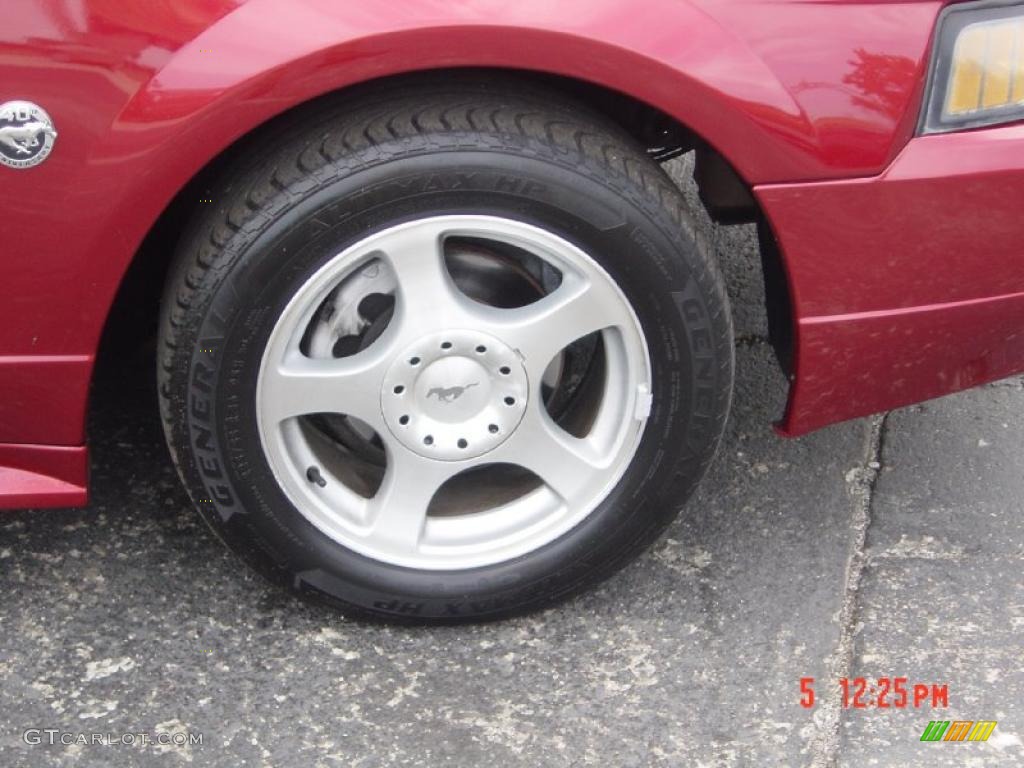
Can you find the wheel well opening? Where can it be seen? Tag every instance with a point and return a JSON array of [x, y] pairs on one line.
[[133, 317]]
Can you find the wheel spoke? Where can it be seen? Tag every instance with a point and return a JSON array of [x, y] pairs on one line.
[[398, 513], [427, 295], [299, 386], [565, 463], [541, 330]]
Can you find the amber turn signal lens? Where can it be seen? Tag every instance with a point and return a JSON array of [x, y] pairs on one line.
[[977, 71], [988, 67]]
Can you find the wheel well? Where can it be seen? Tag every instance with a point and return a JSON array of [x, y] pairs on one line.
[[728, 199]]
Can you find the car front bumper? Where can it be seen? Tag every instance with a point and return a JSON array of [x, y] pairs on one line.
[[908, 285]]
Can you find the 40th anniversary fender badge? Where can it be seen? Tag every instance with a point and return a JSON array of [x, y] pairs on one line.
[[26, 134]]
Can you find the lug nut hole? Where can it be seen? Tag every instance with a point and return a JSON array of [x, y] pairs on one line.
[[414, 361], [403, 420], [494, 429], [446, 345], [505, 370], [510, 401], [462, 442], [399, 389], [428, 440], [481, 349]]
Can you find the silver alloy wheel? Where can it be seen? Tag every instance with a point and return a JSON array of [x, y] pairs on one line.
[[449, 385]]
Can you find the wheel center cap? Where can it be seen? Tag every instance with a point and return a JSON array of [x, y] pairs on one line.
[[453, 389], [454, 395]]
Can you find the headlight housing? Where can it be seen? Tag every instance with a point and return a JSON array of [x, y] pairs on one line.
[[977, 70]]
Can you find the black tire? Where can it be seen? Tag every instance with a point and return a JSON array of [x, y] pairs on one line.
[[334, 173]]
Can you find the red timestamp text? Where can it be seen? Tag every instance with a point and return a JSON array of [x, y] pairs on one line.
[[881, 693]]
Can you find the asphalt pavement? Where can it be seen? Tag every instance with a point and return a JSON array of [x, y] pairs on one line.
[[888, 547]]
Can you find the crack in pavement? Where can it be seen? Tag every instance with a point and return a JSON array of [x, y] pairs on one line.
[[824, 743]]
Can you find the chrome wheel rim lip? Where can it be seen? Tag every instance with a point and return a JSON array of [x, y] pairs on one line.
[[393, 527]]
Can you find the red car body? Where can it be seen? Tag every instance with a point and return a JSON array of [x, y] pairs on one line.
[[902, 253]]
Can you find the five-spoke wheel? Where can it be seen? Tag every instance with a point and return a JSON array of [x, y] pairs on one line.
[[450, 385]]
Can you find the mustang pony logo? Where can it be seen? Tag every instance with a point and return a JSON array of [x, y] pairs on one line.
[[26, 134], [23, 139], [450, 394]]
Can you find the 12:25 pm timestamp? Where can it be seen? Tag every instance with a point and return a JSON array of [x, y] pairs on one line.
[[881, 693]]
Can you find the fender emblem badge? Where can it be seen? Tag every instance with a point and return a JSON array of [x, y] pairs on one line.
[[27, 134]]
